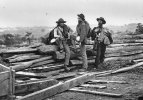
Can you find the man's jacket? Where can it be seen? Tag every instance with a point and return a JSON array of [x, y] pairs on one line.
[[62, 32], [83, 29], [102, 35]]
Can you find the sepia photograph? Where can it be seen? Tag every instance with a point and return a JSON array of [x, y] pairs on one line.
[[71, 49]]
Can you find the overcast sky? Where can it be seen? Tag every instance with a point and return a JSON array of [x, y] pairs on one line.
[[46, 12]]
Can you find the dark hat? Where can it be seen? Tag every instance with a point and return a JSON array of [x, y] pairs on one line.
[[102, 19], [28, 33], [60, 21], [81, 16]]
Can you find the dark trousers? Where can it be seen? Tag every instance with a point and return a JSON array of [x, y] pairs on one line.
[[100, 49], [29, 41]]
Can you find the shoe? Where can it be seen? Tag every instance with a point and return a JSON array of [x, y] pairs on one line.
[[95, 66], [61, 50], [83, 70], [102, 60], [66, 69]]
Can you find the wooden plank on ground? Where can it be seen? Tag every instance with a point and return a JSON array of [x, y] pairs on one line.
[[42, 63], [25, 65], [127, 49], [95, 92], [125, 44], [28, 74], [124, 69], [93, 86], [124, 53], [56, 72], [34, 86], [130, 57], [23, 58], [3, 68], [106, 81], [128, 68], [19, 51], [63, 76], [138, 60], [58, 88], [48, 68], [18, 55]]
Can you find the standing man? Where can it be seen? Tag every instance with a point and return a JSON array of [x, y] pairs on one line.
[[61, 35], [102, 38], [82, 30]]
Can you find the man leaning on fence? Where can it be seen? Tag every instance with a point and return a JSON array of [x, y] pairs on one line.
[[61, 36]]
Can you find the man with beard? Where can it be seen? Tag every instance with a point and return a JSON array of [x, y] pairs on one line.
[[102, 38], [83, 29]]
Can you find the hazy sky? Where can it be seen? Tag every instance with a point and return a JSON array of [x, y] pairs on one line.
[[47, 12]]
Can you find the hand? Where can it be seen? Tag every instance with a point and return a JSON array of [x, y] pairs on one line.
[[53, 40], [79, 43], [99, 40], [61, 38], [78, 38]]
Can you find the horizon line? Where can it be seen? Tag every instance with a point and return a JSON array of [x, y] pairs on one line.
[[54, 26]]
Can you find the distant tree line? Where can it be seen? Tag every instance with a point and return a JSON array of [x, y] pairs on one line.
[[12, 39], [139, 29]]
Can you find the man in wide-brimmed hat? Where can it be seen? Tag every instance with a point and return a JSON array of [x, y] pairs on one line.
[[61, 35], [102, 20], [102, 38], [61, 21], [82, 31]]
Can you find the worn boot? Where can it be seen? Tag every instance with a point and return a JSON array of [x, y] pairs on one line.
[[66, 68], [61, 50], [83, 70]]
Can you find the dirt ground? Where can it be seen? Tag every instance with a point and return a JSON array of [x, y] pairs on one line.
[[132, 90]]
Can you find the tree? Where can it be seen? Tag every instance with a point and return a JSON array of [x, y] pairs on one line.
[[139, 29], [8, 39]]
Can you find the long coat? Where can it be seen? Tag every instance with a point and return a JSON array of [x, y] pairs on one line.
[[83, 29]]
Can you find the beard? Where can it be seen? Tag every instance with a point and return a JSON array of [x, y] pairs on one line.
[[99, 25], [79, 21]]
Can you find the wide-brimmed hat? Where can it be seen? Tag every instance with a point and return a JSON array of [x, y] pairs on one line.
[[60, 21], [28, 33], [81, 16], [102, 19]]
